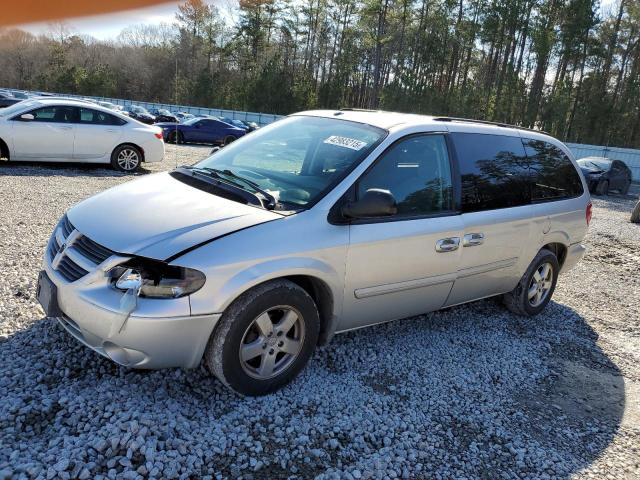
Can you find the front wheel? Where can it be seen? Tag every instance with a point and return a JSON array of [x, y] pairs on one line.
[[536, 286], [228, 140], [264, 338], [126, 158]]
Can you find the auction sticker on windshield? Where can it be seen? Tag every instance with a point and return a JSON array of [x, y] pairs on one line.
[[351, 143]]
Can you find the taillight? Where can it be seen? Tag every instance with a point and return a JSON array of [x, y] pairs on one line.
[[589, 213], [158, 135]]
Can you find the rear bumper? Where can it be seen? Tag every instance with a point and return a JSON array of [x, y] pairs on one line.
[[153, 151], [575, 253]]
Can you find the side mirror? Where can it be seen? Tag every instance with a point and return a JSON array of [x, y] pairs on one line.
[[374, 203], [27, 117]]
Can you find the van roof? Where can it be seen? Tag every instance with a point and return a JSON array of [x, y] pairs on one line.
[[388, 120]]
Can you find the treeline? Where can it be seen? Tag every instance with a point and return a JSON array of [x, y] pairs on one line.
[[558, 65]]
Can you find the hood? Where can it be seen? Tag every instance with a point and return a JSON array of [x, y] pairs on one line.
[[158, 216], [167, 124]]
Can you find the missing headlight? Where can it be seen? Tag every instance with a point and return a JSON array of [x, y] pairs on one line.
[[154, 279]]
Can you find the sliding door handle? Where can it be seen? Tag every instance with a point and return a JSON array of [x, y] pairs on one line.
[[447, 244], [473, 239]]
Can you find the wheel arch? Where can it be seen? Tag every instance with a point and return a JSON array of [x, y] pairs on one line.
[[4, 150], [318, 279], [559, 249], [128, 144]]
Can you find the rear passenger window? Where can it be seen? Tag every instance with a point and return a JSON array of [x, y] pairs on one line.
[[417, 172], [494, 171], [553, 175], [95, 117]]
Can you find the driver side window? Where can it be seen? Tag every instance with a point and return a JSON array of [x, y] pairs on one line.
[[417, 172]]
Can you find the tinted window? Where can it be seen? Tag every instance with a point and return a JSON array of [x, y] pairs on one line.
[[553, 175], [95, 117], [494, 171], [58, 114], [418, 174]]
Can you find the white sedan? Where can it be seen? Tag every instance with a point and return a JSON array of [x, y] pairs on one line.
[[56, 130]]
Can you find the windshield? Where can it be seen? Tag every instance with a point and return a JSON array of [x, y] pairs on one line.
[[192, 120], [139, 110], [594, 163], [17, 108], [298, 159]]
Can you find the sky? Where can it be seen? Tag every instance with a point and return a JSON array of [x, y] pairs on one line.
[[106, 27]]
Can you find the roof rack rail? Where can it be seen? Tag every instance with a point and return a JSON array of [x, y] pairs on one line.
[[358, 110], [486, 122]]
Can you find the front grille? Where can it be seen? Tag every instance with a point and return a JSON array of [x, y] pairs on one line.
[[88, 254], [90, 249], [69, 270]]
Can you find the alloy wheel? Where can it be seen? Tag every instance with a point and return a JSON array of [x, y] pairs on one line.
[[128, 159], [540, 284], [272, 342]]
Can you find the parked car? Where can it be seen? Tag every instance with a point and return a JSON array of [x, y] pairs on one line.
[[21, 95], [604, 174], [182, 116], [7, 99], [75, 131], [141, 114], [163, 115], [320, 223], [246, 126], [201, 130]]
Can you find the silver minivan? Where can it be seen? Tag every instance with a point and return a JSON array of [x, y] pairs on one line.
[[323, 222]]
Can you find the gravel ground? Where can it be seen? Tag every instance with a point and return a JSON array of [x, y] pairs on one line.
[[470, 392]]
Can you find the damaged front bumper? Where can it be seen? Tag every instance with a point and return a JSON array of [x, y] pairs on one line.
[[130, 330]]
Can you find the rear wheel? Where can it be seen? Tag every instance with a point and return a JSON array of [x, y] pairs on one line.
[[536, 286], [126, 158], [264, 338], [175, 137], [603, 187]]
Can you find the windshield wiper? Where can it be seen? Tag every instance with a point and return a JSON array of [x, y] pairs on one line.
[[271, 200], [263, 198]]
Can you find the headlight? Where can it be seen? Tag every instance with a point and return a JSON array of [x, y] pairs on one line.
[[153, 279]]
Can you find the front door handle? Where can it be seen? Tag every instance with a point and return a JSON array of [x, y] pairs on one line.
[[447, 244], [473, 239]]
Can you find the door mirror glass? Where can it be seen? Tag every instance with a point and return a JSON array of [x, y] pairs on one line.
[[376, 202], [27, 117]]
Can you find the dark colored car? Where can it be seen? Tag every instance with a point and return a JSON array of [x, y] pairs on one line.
[[604, 174], [247, 126], [141, 114], [201, 130], [163, 115], [6, 99]]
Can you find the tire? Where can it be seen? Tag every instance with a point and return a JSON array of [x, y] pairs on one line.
[[518, 300], [175, 137], [625, 188], [635, 214], [275, 302], [228, 140], [126, 158], [602, 188]]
